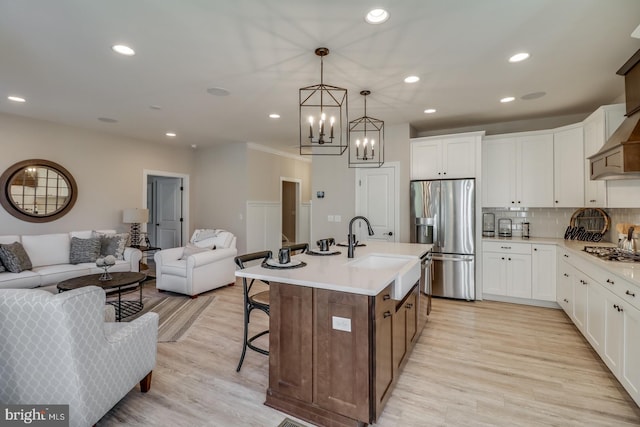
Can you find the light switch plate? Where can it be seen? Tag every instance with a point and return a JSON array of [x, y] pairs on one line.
[[341, 323], [330, 218], [337, 218]]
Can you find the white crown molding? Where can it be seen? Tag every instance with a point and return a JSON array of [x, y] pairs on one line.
[[259, 147]]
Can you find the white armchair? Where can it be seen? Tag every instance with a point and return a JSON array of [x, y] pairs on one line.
[[57, 349], [192, 272]]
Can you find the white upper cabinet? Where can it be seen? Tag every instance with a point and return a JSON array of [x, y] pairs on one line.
[[517, 171], [598, 127], [568, 163], [444, 157]]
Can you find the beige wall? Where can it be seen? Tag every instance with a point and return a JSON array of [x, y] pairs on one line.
[[227, 176], [332, 175], [108, 170], [221, 188], [266, 169]]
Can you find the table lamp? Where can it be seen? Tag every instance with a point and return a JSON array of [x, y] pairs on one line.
[[135, 217]]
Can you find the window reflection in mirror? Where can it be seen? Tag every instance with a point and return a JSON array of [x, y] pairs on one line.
[[37, 190]]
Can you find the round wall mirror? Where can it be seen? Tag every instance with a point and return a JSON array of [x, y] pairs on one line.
[[37, 190]]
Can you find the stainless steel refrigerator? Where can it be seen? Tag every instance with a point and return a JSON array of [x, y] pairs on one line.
[[443, 213]]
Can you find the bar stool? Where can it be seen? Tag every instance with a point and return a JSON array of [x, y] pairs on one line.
[[257, 300], [298, 248]]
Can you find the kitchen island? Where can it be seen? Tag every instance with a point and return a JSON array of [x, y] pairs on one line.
[[341, 330]]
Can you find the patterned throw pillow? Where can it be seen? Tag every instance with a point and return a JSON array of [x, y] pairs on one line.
[[14, 257], [84, 250], [112, 244]]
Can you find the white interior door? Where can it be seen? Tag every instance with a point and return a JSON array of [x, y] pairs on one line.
[[168, 212], [377, 200]]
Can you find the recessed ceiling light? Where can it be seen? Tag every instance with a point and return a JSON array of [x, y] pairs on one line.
[[376, 16], [519, 57], [274, 116], [107, 120], [218, 91], [123, 50], [170, 134], [16, 98], [411, 79], [533, 95], [155, 107], [194, 146], [507, 99], [430, 110]]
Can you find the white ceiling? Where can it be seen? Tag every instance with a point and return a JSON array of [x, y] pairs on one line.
[[57, 55]]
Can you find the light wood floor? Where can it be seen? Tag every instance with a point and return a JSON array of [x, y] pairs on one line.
[[476, 364]]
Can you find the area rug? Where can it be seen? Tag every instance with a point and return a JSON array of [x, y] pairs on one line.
[[176, 313]]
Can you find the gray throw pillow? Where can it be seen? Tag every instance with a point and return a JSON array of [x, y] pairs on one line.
[[14, 257], [113, 244], [84, 250]]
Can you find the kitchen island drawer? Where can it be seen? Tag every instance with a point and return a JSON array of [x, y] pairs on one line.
[[507, 247]]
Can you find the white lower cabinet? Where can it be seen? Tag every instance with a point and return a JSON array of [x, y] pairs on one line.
[[519, 270], [607, 312], [506, 269], [631, 351], [543, 272]]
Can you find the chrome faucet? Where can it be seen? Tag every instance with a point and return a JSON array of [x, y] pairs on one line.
[[351, 239]]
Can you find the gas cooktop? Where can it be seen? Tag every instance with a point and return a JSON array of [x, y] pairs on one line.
[[612, 254]]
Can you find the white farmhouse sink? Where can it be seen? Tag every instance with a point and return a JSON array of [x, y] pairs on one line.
[[407, 270]]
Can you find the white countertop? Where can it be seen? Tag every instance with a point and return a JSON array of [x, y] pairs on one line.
[[333, 272], [626, 270]]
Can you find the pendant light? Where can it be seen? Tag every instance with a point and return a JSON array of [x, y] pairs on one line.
[[366, 140], [323, 116]]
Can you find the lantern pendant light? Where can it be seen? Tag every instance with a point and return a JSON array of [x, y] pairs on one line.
[[366, 140], [323, 116]]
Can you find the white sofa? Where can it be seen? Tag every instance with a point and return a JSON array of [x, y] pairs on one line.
[[192, 274], [57, 349], [49, 255]]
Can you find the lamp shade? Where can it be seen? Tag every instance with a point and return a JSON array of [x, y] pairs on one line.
[[135, 216]]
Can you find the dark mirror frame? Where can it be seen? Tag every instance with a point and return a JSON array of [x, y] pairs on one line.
[[7, 201]]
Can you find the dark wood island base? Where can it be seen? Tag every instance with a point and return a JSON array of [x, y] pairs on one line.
[[334, 357]]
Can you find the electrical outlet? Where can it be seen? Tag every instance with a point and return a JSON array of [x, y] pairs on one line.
[[337, 218], [330, 218], [341, 323]]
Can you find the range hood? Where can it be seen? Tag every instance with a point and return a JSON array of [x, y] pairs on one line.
[[619, 157]]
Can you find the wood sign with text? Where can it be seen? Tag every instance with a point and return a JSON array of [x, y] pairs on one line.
[[579, 233]]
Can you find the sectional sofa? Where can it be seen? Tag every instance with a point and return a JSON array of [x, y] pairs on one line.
[[50, 259]]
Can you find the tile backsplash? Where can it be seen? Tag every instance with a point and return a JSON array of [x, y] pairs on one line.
[[553, 222]]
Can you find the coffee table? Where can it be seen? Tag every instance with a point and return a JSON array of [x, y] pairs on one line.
[[120, 283]]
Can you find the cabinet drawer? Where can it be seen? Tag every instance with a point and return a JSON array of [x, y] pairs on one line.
[[384, 303], [626, 291], [507, 247]]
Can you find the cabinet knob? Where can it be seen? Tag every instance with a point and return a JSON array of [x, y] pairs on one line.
[[566, 300], [535, 249], [502, 258], [409, 306], [512, 202], [386, 297], [592, 201], [509, 259], [439, 173], [505, 247], [518, 201], [630, 293], [556, 201], [386, 314], [615, 306], [444, 173], [566, 256], [565, 275]]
